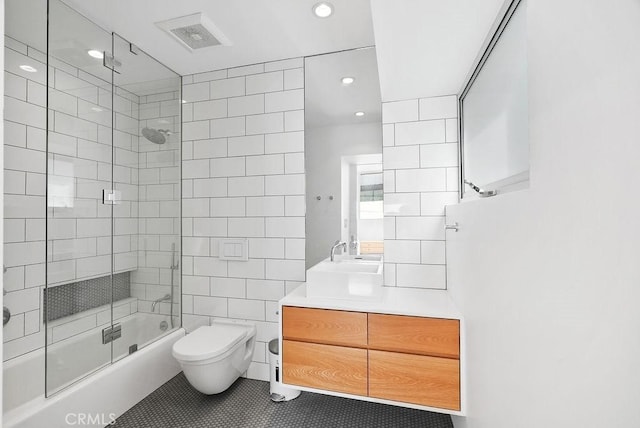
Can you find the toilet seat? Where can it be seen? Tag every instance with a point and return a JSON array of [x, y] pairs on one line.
[[214, 357], [208, 342]]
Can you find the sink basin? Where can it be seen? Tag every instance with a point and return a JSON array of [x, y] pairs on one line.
[[377, 258], [345, 278], [347, 267]]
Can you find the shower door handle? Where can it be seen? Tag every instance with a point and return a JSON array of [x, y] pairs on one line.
[[6, 315], [111, 197]]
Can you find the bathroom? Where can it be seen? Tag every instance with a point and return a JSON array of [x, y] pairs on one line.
[[154, 193]]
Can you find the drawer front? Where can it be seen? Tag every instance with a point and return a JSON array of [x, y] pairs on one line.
[[426, 336], [324, 326], [417, 379], [332, 368]]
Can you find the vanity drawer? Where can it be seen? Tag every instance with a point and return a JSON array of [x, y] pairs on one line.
[[426, 336], [324, 326], [417, 379], [333, 368]]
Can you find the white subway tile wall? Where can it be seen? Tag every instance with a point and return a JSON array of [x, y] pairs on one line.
[[80, 164], [243, 177], [420, 160], [159, 193]]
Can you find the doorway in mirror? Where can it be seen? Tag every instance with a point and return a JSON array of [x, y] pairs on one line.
[[343, 154]]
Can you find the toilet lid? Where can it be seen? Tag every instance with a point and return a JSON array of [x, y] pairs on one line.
[[208, 342]]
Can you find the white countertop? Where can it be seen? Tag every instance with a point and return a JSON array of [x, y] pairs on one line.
[[394, 300]]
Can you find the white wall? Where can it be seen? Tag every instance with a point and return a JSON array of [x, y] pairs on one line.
[[426, 47], [325, 147], [549, 279], [243, 177]]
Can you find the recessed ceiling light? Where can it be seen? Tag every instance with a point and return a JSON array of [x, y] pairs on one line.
[[96, 109], [359, 113], [348, 80], [95, 54], [323, 9], [28, 68], [184, 101]]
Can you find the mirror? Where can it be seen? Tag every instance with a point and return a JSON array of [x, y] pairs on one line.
[[343, 154]]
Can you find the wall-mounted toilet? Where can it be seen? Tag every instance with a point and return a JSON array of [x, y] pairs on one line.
[[213, 357]]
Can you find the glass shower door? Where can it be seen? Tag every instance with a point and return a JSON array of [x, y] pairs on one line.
[[154, 90], [79, 290], [113, 207]]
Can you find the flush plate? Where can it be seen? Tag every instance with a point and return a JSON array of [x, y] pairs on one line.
[[234, 249]]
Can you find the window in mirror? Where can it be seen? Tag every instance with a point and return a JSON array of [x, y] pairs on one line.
[[371, 196]]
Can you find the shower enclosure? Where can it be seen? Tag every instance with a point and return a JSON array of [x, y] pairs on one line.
[[101, 207]]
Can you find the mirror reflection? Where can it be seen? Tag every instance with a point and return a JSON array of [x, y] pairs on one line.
[[343, 156]]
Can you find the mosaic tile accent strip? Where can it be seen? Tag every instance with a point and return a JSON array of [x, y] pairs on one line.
[[246, 404], [75, 297]]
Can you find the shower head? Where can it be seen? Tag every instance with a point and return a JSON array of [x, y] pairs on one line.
[[156, 136]]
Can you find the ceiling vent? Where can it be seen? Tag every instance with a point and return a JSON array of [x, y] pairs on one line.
[[194, 32]]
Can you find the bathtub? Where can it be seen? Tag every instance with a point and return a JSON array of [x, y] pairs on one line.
[[102, 395]]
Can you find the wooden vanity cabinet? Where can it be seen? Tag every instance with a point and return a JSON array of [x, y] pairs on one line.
[[325, 349], [325, 326], [371, 247], [417, 379], [414, 360], [392, 357], [426, 336], [328, 367]]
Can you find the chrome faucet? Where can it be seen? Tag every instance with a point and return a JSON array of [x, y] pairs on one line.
[[166, 297], [336, 246]]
